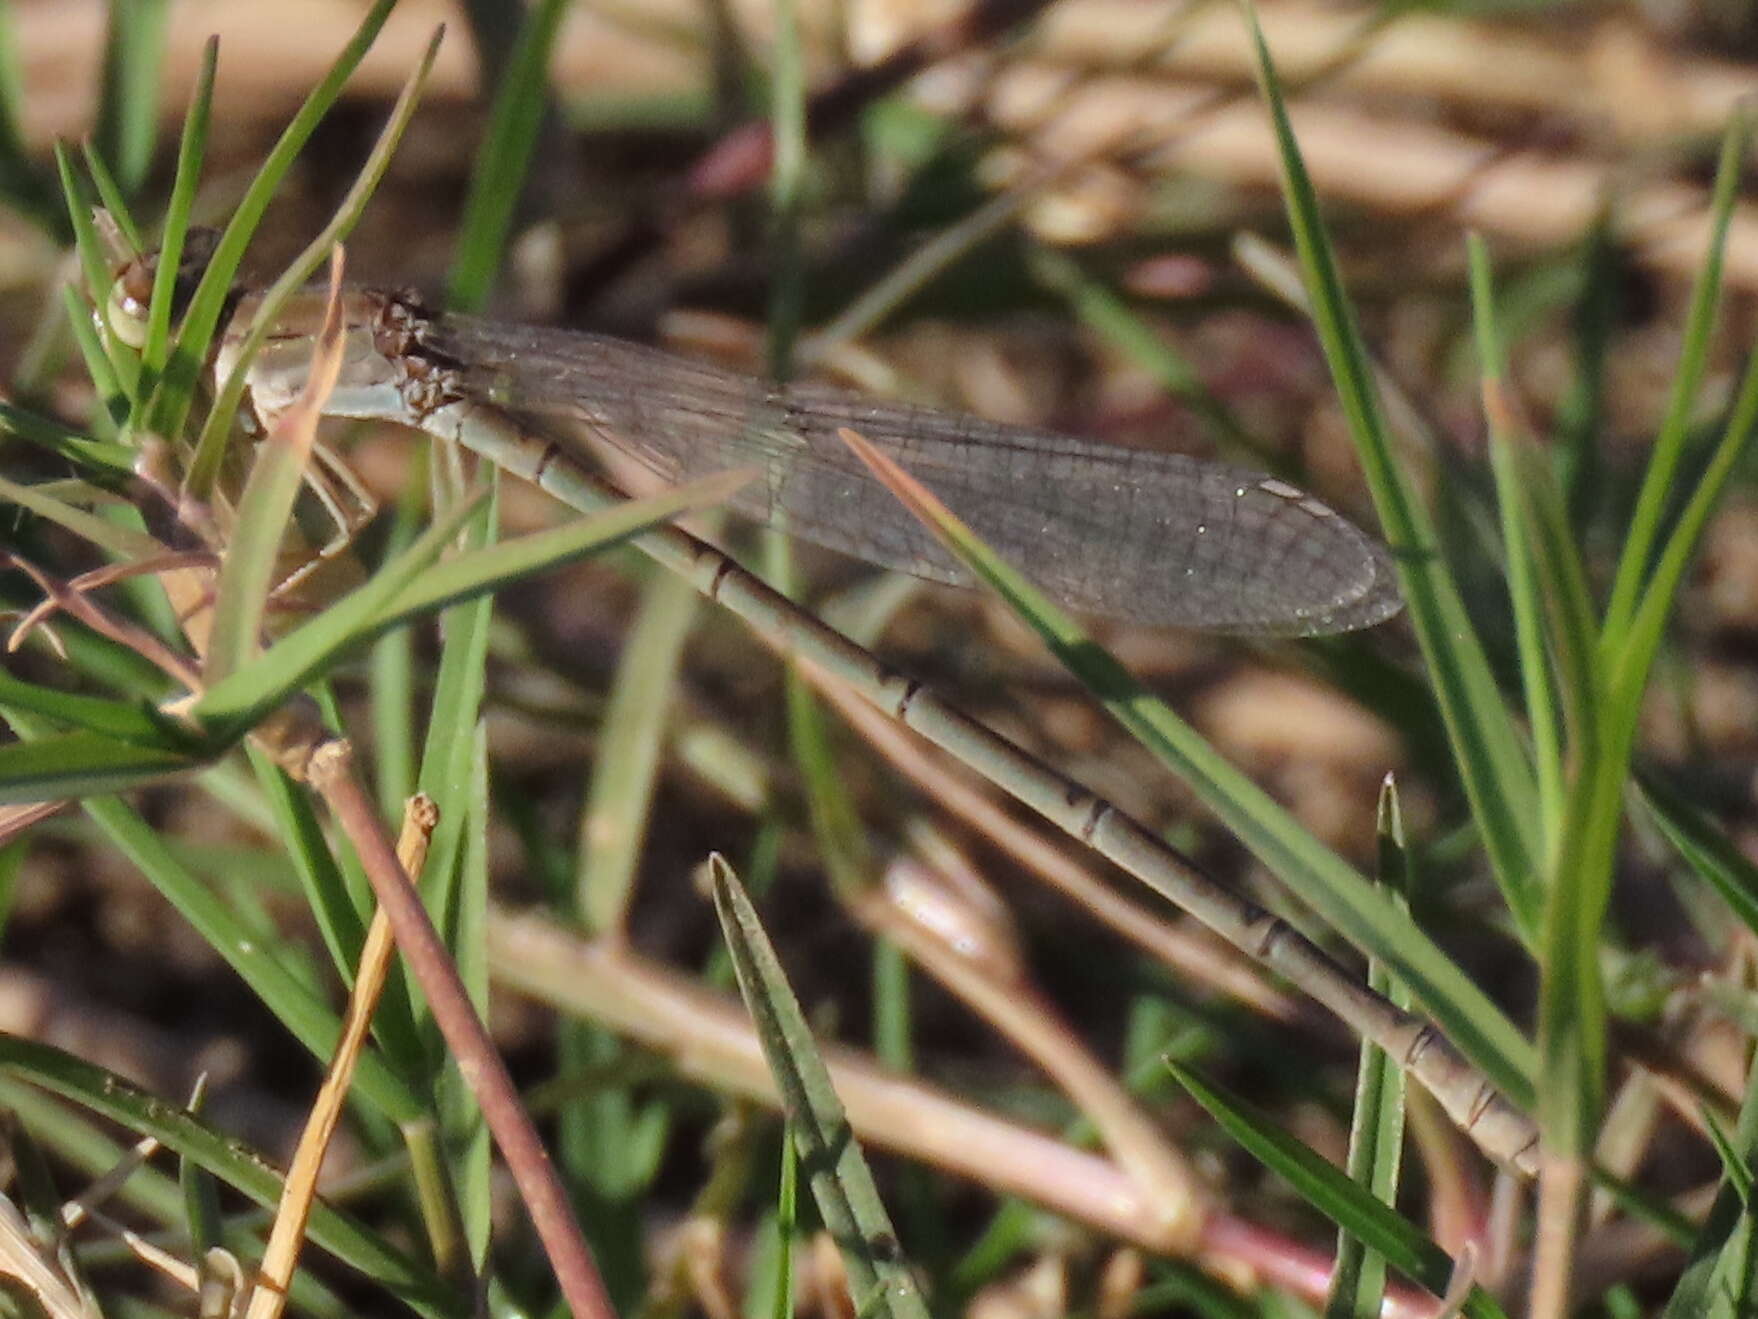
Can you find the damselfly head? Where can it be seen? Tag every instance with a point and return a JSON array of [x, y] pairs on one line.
[[131, 292]]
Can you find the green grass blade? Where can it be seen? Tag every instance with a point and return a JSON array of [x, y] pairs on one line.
[[128, 98], [1705, 847], [448, 754], [110, 196], [1376, 1130], [226, 1158], [231, 706], [210, 449], [81, 450], [81, 764], [1669, 445], [170, 410], [191, 150], [1492, 762], [1724, 1259], [1628, 665], [1519, 545], [1332, 1193], [879, 1282], [119, 721], [632, 736], [498, 180], [392, 684], [1572, 999], [123, 542]]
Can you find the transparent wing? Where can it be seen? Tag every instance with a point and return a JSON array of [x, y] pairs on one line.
[[1126, 533]]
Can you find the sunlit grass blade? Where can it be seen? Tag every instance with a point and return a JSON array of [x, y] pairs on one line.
[[1658, 483], [879, 1282], [232, 705], [1337, 891], [191, 150], [498, 179], [210, 449], [224, 1156], [1492, 761], [176, 393], [1572, 1004], [1329, 1190]]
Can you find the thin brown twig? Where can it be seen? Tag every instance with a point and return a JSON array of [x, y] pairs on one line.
[[330, 771], [76, 603], [299, 1191]]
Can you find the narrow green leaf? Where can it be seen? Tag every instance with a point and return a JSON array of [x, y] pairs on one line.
[[191, 150], [128, 98], [1705, 847], [498, 179], [231, 706], [227, 1158], [82, 764], [1492, 762], [176, 393], [122, 721], [210, 448], [1353, 1208], [632, 736], [880, 1282], [1669, 444]]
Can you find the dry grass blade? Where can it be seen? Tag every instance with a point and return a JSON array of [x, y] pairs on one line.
[[281, 1255]]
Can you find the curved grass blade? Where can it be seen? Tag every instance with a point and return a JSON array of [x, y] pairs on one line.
[[880, 1282], [1353, 1208], [1705, 847], [191, 148], [227, 1159], [204, 468], [170, 408], [1635, 561], [1492, 763]]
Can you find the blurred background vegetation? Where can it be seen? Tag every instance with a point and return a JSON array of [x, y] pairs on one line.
[[1066, 214]]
